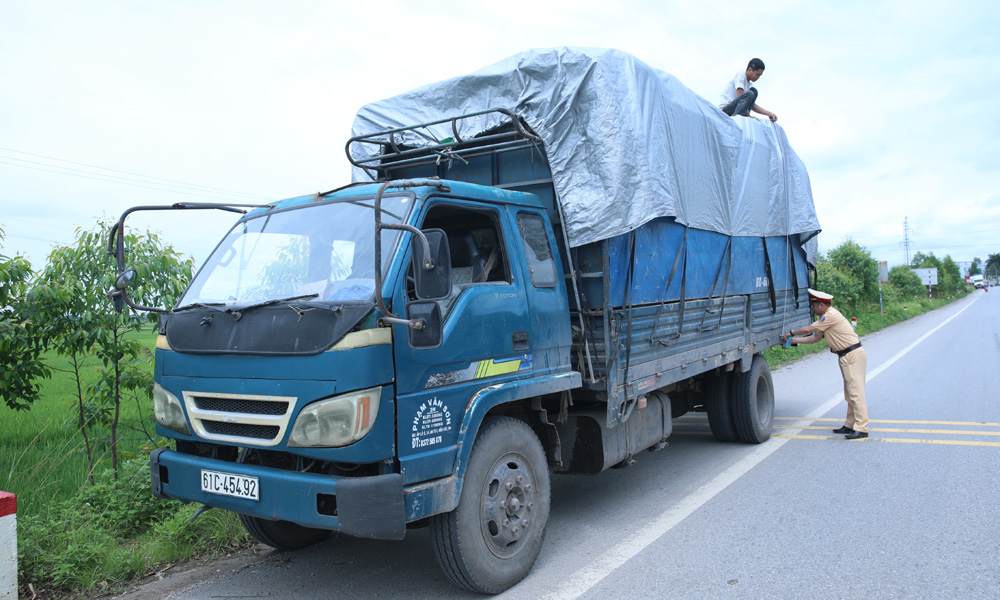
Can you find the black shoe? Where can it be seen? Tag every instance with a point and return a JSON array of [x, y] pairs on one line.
[[844, 429], [857, 435]]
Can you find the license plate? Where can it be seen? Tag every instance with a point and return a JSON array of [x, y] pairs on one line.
[[227, 484]]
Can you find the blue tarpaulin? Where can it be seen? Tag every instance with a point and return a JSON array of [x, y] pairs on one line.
[[626, 144]]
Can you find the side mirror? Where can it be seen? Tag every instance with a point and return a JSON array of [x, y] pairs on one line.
[[428, 313], [431, 274], [124, 279], [118, 295]]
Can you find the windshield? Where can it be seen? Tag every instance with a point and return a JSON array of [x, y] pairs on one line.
[[321, 251]]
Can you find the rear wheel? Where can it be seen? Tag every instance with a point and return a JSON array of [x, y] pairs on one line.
[[491, 540], [753, 402], [719, 407]]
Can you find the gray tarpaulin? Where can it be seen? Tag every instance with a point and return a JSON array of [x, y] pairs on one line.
[[626, 143]]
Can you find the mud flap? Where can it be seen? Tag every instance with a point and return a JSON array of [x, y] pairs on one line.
[[372, 507]]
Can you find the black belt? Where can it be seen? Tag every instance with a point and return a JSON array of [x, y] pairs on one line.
[[846, 350]]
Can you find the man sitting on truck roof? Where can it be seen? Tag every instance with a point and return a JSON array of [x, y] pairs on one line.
[[740, 96]]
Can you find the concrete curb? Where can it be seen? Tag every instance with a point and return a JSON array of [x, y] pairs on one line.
[[8, 546]]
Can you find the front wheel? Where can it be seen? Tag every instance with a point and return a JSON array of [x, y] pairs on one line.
[[753, 402], [491, 540], [283, 535]]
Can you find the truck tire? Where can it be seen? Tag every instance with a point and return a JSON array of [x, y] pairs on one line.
[[491, 540], [718, 405], [283, 535], [753, 402]]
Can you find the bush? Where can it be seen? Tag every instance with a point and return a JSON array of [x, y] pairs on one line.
[[905, 282], [857, 264], [113, 532], [842, 285], [125, 507]]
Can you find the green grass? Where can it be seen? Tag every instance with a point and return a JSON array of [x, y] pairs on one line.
[[42, 454], [75, 538]]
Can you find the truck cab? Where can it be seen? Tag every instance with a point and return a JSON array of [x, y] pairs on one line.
[[299, 399]]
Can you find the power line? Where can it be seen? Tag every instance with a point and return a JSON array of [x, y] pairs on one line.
[[144, 179], [5, 219], [94, 176], [936, 234]]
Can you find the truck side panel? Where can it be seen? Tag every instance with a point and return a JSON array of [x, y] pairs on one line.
[[708, 264]]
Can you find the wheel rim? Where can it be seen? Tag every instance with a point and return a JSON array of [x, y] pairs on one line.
[[764, 405], [508, 505]]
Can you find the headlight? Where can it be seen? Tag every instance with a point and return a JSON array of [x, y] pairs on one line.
[[338, 421], [167, 410]]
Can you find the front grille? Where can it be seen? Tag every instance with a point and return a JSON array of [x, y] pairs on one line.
[[241, 418], [261, 432], [240, 405]]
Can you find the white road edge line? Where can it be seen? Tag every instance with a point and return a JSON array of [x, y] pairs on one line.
[[589, 576]]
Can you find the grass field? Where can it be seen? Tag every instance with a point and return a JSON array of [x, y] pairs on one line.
[[42, 454]]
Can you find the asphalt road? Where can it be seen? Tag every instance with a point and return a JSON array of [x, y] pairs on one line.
[[911, 512]]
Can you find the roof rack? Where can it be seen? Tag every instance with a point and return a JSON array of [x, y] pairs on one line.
[[390, 151]]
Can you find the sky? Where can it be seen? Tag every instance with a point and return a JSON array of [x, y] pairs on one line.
[[104, 105]]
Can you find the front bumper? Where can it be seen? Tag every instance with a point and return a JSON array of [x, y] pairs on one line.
[[368, 507]]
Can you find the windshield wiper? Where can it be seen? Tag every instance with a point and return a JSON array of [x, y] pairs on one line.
[[212, 305], [239, 313]]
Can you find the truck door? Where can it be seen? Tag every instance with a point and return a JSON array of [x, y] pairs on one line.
[[545, 287], [485, 336]]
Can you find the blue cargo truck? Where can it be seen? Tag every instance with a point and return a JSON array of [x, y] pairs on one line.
[[426, 347]]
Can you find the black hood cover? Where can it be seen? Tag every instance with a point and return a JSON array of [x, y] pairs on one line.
[[281, 330]]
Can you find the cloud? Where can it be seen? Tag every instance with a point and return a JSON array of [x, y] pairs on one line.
[[889, 105]]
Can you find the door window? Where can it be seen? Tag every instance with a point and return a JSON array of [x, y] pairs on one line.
[[541, 265]]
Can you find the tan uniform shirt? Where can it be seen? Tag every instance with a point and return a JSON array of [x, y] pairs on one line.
[[837, 330]]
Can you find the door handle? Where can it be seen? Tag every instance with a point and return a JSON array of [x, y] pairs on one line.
[[521, 341]]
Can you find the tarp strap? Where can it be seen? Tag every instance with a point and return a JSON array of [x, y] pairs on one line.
[[770, 279], [795, 277], [681, 251], [725, 283], [726, 260], [628, 328]]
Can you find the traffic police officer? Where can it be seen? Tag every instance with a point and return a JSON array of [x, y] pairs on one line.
[[845, 343]]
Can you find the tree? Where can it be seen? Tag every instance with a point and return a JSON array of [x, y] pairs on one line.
[[851, 274], [951, 280], [905, 281], [974, 268], [948, 274], [925, 261], [843, 286], [81, 321], [993, 266], [21, 343]]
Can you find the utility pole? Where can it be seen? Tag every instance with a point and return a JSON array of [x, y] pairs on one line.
[[906, 239]]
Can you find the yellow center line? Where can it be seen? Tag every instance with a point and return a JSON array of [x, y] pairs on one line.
[[892, 430], [892, 440], [979, 423], [699, 417]]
